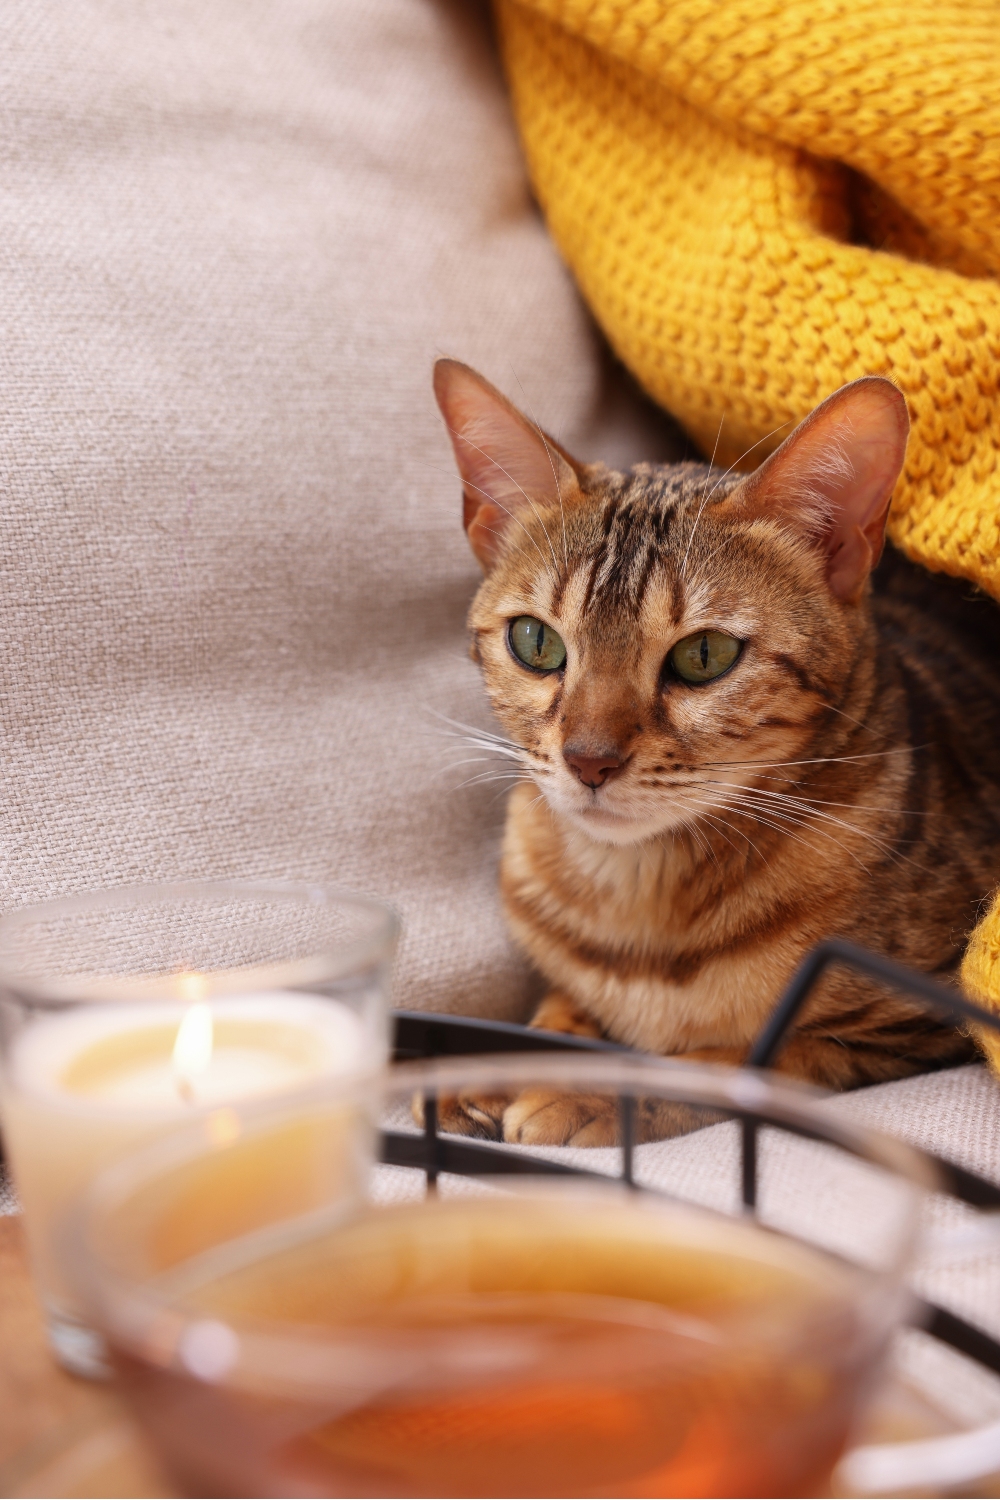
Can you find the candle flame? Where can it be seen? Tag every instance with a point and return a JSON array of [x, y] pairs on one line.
[[193, 1047]]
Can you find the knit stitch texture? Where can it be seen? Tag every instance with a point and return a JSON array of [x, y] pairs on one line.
[[764, 199]]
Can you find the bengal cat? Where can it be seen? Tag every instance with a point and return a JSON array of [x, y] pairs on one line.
[[732, 745]]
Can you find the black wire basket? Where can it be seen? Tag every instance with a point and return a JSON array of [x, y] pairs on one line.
[[421, 1034]]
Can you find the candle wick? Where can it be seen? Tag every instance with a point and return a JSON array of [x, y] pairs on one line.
[[184, 1089]]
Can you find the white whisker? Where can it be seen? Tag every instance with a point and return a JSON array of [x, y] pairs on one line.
[[779, 822], [755, 806], [777, 804], [486, 734], [484, 776], [719, 824], [819, 760], [832, 708], [747, 454], [807, 799], [470, 760], [704, 843]]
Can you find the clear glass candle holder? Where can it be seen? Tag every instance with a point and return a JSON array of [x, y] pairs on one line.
[[486, 1321], [126, 1014]]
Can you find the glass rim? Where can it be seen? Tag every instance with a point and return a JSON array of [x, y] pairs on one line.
[[156, 1306], [336, 961], [759, 1095]]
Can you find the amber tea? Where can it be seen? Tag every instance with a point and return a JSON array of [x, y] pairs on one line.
[[516, 1343]]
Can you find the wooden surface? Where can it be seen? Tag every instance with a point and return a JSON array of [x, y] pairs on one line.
[[59, 1435], [36, 1397]]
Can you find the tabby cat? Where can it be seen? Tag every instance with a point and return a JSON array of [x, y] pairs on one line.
[[732, 745]]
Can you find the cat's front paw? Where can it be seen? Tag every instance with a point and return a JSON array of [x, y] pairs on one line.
[[542, 1117], [479, 1115], [557, 1012]]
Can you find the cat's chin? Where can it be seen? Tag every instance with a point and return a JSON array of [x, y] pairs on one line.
[[606, 827]]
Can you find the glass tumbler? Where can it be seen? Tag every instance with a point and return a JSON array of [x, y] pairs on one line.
[[126, 1014], [510, 1319]]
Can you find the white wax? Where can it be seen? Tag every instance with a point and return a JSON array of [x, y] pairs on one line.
[[91, 1084], [118, 1059]]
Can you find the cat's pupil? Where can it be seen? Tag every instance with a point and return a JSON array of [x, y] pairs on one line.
[[704, 653], [539, 640]]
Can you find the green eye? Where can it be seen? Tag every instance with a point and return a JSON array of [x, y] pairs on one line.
[[536, 644], [704, 655]]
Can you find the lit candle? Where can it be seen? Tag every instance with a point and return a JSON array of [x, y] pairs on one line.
[[86, 1086]]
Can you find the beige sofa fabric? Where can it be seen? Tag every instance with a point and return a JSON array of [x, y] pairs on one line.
[[233, 237]]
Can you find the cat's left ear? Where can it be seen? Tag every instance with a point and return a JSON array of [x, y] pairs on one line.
[[508, 465], [833, 478]]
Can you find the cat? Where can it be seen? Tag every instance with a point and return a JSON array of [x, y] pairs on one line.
[[732, 746]]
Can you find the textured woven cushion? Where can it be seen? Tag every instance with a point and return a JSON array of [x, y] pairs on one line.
[[232, 240]]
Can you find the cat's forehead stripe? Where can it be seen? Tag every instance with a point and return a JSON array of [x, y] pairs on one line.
[[644, 522]]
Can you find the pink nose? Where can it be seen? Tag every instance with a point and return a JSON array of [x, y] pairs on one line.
[[593, 770]]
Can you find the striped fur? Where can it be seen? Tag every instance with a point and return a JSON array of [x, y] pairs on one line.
[[841, 779]]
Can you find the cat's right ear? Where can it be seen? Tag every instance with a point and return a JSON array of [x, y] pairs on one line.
[[832, 479], [508, 466]]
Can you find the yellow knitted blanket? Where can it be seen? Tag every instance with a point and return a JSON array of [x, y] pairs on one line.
[[764, 199]]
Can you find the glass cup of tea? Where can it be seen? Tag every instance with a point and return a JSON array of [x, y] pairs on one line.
[[129, 1013], [507, 1320]]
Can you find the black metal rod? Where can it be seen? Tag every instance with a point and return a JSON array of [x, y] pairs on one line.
[[967, 1186], [749, 1163], [420, 1033], [945, 1002], [626, 1113], [471, 1158], [959, 1334], [432, 1144]]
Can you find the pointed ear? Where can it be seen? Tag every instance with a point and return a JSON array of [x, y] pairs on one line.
[[508, 466], [832, 479]]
